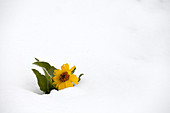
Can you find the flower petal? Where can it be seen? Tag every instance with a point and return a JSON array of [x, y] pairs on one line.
[[61, 86], [57, 72], [69, 84], [58, 84], [65, 67], [69, 72], [74, 79], [55, 83], [72, 68], [56, 79]]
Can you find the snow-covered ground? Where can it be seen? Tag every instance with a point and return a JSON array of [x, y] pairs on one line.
[[122, 47]]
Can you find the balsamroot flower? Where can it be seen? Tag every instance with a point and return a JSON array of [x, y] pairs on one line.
[[64, 78], [54, 78]]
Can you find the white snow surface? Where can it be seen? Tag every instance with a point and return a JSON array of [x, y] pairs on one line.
[[122, 47]]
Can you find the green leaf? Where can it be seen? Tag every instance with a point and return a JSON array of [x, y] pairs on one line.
[[80, 76], [42, 81], [47, 76], [51, 70], [73, 70], [37, 59], [49, 80], [45, 65]]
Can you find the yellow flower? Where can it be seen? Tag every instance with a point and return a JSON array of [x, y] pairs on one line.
[[63, 78]]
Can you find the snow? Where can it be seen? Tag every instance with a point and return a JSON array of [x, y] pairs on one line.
[[122, 47]]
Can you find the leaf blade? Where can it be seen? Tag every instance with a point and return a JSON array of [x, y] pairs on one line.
[[42, 81], [43, 64], [37, 59]]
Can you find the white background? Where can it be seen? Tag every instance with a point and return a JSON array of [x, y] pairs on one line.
[[122, 47]]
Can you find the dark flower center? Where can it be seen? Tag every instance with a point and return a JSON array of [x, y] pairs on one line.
[[64, 77]]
